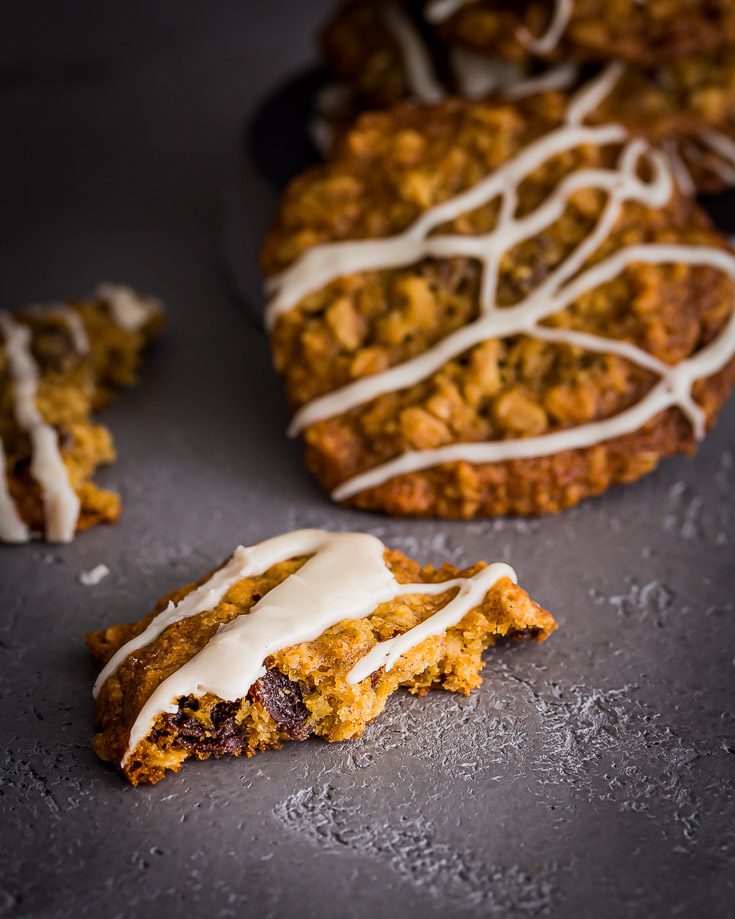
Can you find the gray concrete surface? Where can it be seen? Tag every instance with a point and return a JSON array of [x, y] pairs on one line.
[[589, 776]]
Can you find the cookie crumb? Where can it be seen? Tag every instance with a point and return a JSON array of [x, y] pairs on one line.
[[94, 575]]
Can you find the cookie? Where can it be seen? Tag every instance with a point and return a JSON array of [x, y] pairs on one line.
[[59, 364], [642, 32], [308, 633], [383, 55], [483, 309]]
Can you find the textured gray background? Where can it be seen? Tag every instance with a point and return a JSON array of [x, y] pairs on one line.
[[590, 775]]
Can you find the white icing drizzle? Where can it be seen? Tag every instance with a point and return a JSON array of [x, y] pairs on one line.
[[710, 149], [61, 504], [560, 77], [567, 283], [588, 99], [71, 318], [199, 600], [12, 528], [470, 594], [77, 329], [717, 154], [557, 26], [345, 577], [129, 310], [723, 145], [419, 69], [475, 75], [478, 76], [679, 168], [441, 10]]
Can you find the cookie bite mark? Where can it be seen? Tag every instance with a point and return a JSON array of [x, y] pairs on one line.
[[598, 212], [306, 633]]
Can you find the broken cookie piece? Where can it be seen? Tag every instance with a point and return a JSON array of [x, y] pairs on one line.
[[306, 633], [59, 364]]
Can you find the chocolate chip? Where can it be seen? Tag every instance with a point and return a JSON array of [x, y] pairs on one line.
[[283, 701]]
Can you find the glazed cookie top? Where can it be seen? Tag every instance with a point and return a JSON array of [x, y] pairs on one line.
[[646, 32], [483, 282]]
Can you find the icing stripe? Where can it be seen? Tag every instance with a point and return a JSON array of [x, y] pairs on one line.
[[470, 594], [679, 168], [70, 317], [203, 598], [557, 26], [560, 77], [723, 145], [129, 310], [12, 528], [440, 10], [475, 75], [417, 63], [77, 329], [589, 98], [61, 504], [345, 577], [716, 153], [323, 264]]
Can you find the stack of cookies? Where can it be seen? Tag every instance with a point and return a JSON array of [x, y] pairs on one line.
[[677, 60], [498, 294]]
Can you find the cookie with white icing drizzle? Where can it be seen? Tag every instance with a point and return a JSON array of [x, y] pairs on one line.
[[482, 309], [58, 364], [383, 54], [642, 32], [305, 633]]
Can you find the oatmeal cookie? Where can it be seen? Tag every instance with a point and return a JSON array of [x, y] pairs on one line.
[[383, 56], [483, 309], [308, 633], [58, 365], [643, 32]]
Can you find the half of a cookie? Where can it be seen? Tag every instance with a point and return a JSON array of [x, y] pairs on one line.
[[479, 308], [58, 364], [306, 633]]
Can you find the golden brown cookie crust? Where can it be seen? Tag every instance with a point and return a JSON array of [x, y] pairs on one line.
[[312, 695], [387, 171], [645, 34], [670, 101]]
